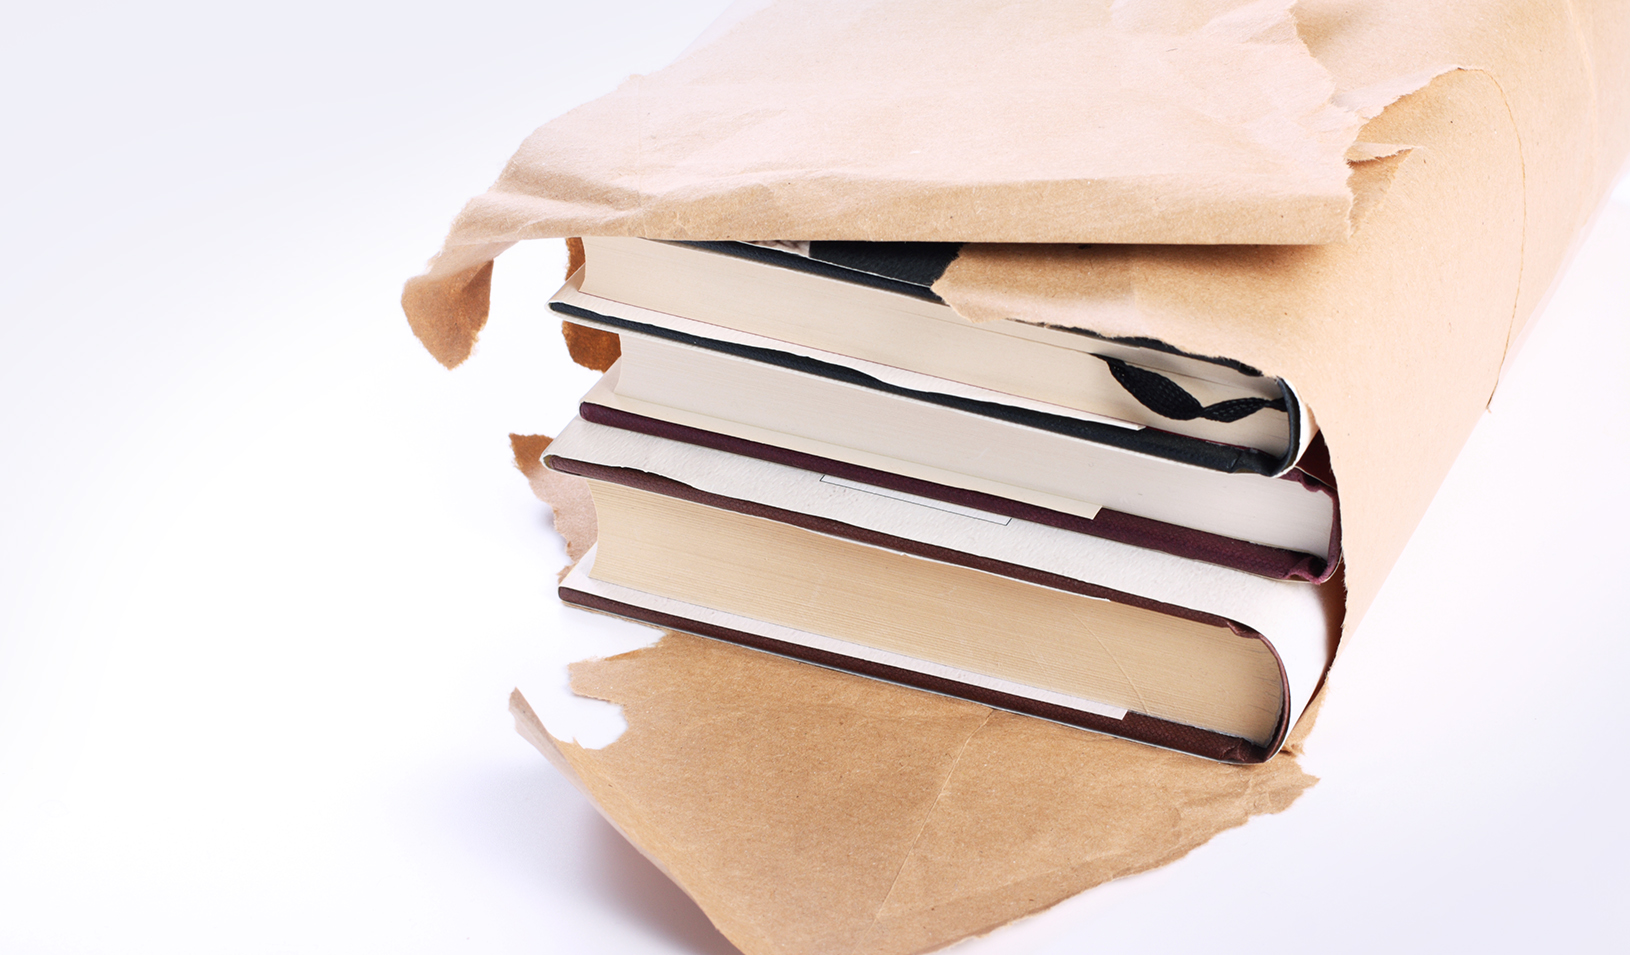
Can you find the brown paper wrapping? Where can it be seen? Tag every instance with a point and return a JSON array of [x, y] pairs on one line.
[[809, 811]]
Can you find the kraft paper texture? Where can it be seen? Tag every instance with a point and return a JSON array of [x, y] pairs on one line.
[[1199, 122], [1374, 211], [812, 811]]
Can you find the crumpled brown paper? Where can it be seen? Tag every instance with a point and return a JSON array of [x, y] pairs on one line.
[[811, 811], [1395, 336], [843, 109], [985, 120]]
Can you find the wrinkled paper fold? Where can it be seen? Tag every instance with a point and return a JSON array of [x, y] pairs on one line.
[[983, 121], [810, 811]]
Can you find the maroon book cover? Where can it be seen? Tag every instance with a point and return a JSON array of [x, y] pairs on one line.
[[1251, 558]]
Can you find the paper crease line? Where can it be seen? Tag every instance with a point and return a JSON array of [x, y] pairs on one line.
[[928, 818], [1522, 242], [639, 149]]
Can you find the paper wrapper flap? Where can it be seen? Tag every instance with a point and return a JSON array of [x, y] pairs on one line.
[[1038, 121], [566, 495], [810, 811]]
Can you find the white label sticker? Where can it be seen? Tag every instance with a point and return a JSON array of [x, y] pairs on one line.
[[914, 499]]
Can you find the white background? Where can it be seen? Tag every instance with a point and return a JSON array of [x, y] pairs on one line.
[[267, 574]]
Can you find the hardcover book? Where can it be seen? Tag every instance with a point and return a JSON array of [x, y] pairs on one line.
[[1014, 614], [762, 410]]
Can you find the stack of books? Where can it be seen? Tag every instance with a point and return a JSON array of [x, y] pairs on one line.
[[803, 450]]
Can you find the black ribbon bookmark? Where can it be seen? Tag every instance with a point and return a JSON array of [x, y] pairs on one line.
[[1168, 399]]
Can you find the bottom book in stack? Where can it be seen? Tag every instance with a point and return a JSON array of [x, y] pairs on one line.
[[1009, 613]]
